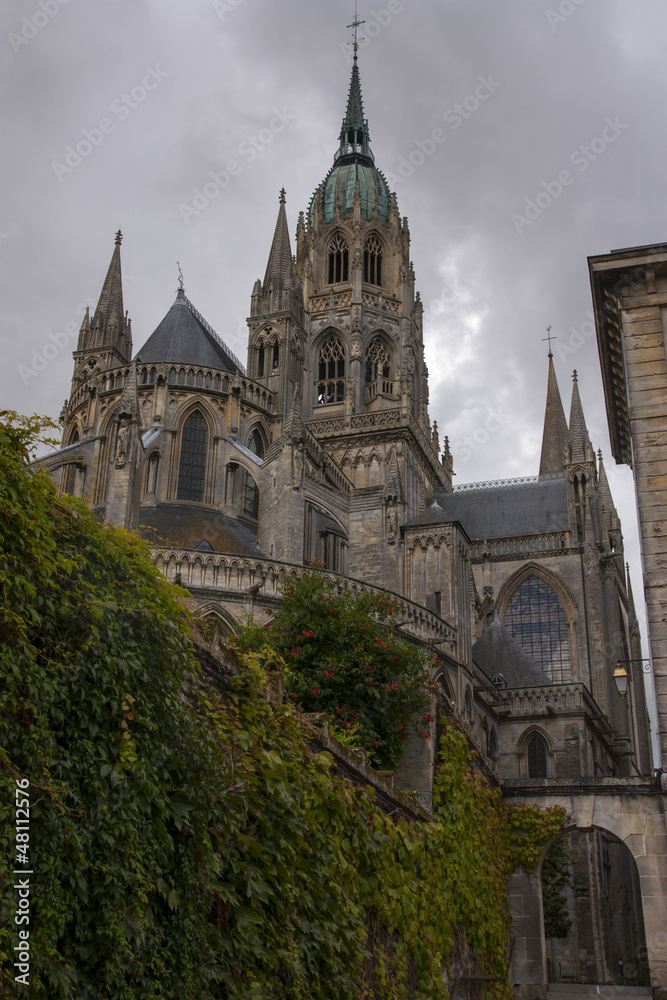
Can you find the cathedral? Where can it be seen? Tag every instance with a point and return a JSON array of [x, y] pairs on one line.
[[321, 448]]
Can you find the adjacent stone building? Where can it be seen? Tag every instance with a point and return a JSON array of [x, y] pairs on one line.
[[321, 447]]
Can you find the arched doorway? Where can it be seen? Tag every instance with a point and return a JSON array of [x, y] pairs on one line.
[[593, 920]]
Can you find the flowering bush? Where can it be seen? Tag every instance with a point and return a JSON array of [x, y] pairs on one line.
[[340, 654]]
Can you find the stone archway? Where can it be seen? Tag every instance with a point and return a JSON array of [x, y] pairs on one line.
[[606, 943], [633, 816]]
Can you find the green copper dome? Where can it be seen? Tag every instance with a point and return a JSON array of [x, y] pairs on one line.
[[353, 163], [339, 186]]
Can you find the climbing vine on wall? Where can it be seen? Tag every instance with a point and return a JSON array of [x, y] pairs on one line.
[[186, 840]]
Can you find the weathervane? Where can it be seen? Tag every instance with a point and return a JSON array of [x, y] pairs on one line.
[[355, 24], [549, 338], [181, 286]]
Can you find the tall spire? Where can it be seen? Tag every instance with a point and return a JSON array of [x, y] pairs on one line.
[[606, 499], [354, 137], [110, 326], [554, 436], [280, 267], [581, 449]]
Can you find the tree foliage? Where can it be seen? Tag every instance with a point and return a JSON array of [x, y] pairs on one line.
[[186, 845], [340, 654]]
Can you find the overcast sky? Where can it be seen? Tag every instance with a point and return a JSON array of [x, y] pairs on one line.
[[561, 99]]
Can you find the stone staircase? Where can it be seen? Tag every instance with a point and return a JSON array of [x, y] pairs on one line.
[[589, 991]]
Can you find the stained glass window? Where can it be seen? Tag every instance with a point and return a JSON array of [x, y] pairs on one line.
[[256, 444], [250, 504], [537, 620], [331, 372], [192, 467], [537, 757], [339, 259], [373, 261], [377, 360]]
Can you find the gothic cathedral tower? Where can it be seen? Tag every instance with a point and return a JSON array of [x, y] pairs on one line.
[[337, 333]]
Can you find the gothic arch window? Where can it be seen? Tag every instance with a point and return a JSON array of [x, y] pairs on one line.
[[537, 620], [256, 443], [192, 466], [250, 497], [492, 745], [373, 261], [339, 259], [331, 372], [467, 706], [260, 359], [536, 755], [378, 365]]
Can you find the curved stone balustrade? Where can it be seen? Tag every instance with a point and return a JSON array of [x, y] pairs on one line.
[[235, 574]]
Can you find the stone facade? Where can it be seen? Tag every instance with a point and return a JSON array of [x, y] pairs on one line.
[[321, 448]]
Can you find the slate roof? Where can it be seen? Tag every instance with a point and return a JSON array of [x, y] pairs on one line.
[[183, 526], [182, 338], [499, 511], [497, 651]]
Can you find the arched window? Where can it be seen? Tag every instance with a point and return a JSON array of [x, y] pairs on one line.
[[260, 360], [256, 443], [192, 467], [467, 706], [378, 367], [373, 261], [331, 372], [537, 619], [536, 752], [339, 259], [250, 498], [492, 746]]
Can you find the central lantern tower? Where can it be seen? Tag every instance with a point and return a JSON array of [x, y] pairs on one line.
[[337, 331]]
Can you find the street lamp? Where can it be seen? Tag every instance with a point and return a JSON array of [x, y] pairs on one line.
[[621, 679]]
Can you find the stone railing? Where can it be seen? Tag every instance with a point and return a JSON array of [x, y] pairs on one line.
[[379, 387], [550, 700], [197, 570], [520, 544], [211, 379]]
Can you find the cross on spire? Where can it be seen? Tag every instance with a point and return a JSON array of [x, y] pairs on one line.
[[181, 286], [549, 338], [355, 24]]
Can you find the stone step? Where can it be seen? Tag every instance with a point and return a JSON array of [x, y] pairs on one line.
[[587, 991]]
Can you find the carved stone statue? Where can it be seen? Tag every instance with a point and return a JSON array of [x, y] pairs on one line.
[[297, 475], [391, 520], [122, 441]]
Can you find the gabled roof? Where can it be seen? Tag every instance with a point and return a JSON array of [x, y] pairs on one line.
[[498, 652], [500, 510], [183, 337]]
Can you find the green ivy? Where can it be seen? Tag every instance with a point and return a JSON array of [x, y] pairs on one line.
[[189, 845]]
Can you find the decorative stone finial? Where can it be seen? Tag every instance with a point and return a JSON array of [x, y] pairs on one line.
[[119, 238], [282, 196], [574, 376]]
